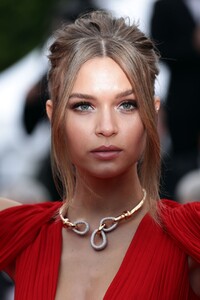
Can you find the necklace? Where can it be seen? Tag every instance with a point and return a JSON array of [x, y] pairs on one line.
[[106, 225]]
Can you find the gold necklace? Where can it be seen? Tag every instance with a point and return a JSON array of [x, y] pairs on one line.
[[106, 225]]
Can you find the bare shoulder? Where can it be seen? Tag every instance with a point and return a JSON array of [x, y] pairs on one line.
[[6, 203]]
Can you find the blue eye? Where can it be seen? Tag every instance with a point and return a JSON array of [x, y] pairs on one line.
[[82, 106], [128, 105]]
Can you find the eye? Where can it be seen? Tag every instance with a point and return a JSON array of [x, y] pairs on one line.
[[82, 106], [128, 105]]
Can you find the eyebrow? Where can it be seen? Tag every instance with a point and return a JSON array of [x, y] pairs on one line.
[[125, 93], [87, 96]]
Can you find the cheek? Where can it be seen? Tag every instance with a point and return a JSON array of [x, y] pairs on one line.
[[143, 143], [137, 140], [76, 138], [73, 138]]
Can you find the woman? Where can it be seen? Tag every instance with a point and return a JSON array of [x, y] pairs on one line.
[[110, 238]]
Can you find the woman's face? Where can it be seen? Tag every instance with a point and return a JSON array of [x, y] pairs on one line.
[[104, 131]]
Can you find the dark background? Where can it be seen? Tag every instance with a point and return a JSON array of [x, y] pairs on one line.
[[24, 25]]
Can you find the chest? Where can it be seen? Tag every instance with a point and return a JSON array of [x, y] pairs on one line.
[[85, 273], [83, 278], [146, 265]]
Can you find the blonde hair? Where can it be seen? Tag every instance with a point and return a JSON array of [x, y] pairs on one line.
[[99, 34]]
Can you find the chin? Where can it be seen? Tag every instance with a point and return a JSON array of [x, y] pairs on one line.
[[109, 174]]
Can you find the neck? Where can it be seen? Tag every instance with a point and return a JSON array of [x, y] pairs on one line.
[[96, 198], [98, 239]]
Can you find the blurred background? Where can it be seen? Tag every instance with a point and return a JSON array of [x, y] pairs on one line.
[[25, 33]]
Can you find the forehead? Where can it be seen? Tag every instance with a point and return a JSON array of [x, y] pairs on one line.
[[101, 74]]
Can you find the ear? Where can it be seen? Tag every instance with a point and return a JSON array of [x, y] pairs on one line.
[[157, 104], [49, 108]]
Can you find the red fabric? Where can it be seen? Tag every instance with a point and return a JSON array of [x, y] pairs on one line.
[[154, 267]]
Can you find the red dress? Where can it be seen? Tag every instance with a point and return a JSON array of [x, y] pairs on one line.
[[154, 267]]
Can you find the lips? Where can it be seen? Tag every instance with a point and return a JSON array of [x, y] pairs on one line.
[[106, 152]]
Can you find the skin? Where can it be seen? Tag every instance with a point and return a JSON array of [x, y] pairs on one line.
[[105, 124], [111, 117], [107, 183], [108, 118]]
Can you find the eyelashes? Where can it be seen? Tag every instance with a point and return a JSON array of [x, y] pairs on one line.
[[81, 106], [86, 106], [128, 105]]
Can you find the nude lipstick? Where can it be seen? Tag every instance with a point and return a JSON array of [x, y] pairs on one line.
[[106, 152]]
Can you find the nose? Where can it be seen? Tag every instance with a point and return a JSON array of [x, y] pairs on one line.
[[106, 124]]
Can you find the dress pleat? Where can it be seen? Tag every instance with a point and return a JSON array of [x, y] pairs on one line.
[[154, 267]]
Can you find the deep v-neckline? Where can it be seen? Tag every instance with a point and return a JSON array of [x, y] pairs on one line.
[[122, 267], [124, 261]]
